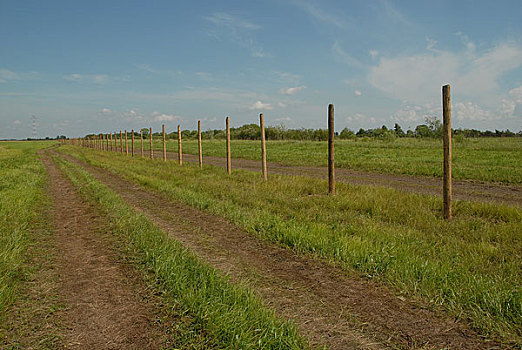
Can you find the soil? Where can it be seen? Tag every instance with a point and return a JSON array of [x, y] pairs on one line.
[[332, 306], [104, 298], [470, 190]]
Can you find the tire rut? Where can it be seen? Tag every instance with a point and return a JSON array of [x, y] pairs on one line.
[[104, 298], [334, 308]]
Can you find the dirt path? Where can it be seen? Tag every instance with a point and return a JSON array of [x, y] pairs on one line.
[[340, 311], [105, 308], [462, 189]]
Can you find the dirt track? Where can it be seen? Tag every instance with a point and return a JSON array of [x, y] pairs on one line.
[[462, 189], [333, 308], [105, 308]]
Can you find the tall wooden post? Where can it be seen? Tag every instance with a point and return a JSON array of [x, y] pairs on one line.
[[164, 145], [263, 146], [121, 142], [132, 133], [331, 136], [141, 138], [180, 153], [151, 150], [446, 144], [126, 144], [229, 161], [107, 142], [199, 145]]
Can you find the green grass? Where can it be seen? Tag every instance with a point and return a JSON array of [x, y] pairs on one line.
[[470, 266], [485, 159], [230, 316], [22, 197]]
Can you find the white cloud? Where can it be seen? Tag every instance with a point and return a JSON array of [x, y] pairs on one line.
[[291, 90], [418, 78], [87, 78], [284, 119], [359, 118], [357, 93], [225, 19], [345, 56], [236, 30], [261, 106], [470, 111], [282, 105], [322, 15], [167, 118], [6, 75], [430, 44], [17, 122], [373, 54]]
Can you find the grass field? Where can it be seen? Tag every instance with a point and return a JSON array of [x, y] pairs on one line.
[[485, 159], [22, 199], [470, 266]]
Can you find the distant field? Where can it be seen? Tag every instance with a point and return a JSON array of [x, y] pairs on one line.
[[485, 159]]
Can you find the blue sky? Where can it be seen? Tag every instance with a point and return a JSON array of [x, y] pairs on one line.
[[101, 66]]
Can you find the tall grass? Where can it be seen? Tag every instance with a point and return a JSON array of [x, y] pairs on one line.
[[485, 159], [231, 316], [470, 266], [22, 197]]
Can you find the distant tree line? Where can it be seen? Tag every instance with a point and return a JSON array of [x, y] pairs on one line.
[[432, 128]]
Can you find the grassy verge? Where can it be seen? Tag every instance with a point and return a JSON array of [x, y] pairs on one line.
[[485, 159], [22, 197], [470, 265], [230, 315]]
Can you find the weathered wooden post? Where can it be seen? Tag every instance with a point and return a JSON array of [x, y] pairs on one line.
[[164, 145], [229, 161], [199, 145], [446, 144], [151, 150], [126, 144], [121, 142], [111, 141], [132, 132], [331, 136], [141, 138], [263, 146], [180, 153], [107, 142]]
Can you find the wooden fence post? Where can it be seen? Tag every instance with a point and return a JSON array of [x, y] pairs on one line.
[[164, 145], [199, 145], [151, 150], [180, 153], [126, 144], [107, 142], [331, 160], [132, 142], [229, 161], [121, 142], [141, 138], [263, 146], [446, 144]]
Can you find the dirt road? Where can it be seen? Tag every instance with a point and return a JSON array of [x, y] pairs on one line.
[[334, 308], [105, 305], [462, 189]]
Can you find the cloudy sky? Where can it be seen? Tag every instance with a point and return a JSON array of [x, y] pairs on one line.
[[100, 66]]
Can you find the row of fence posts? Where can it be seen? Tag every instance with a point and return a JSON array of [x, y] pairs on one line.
[[105, 142]]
